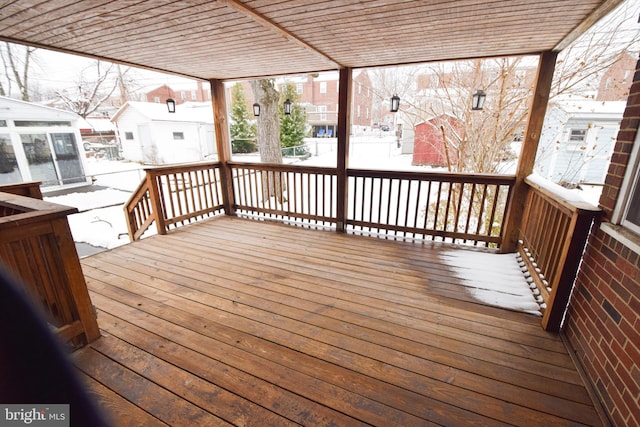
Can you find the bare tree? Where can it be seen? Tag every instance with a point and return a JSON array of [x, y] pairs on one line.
[[94, 86], [580, 66], [265, 94], [16, 61]]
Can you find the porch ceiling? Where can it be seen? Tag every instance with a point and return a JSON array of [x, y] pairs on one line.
[[230, 39]]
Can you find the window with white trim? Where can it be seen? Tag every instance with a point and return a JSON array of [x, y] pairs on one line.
[[627, 211], [323, 87], [322, 109]]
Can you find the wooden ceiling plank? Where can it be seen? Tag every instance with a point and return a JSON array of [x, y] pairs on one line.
[[277, 28], [492, 20], [126, 25], [228, 44], [209, 34], [60, 16]]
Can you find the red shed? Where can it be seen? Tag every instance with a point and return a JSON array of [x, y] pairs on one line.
[[429, 148]]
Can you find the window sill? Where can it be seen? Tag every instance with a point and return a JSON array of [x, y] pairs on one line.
[[623, 235]]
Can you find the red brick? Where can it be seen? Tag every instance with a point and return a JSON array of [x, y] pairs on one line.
[[626, 267], [617, 419], [628, 382], [634, 304], [635, 375], [631, 404], [631, 333]]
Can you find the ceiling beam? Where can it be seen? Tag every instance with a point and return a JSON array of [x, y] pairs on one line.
[[597, 14], [267, 23]]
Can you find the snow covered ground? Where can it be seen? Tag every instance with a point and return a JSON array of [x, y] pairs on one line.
[[492, 279], [101, 221]]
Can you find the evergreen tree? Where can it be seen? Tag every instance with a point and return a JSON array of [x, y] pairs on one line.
[[293, 127], [243, 133]]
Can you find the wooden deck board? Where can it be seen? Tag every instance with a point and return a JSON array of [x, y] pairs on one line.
[[251, 323]]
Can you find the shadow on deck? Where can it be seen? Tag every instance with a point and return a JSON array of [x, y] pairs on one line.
[[236, 322]]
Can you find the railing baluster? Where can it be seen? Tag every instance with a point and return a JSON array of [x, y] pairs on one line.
[[470, 210]]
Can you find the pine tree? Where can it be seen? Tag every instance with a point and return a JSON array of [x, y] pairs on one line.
[[243, 133], [293, 127]]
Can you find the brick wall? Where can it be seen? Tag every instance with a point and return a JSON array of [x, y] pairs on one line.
[[603, 320]]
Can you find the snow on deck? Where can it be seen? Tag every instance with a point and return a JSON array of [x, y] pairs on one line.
[[493, 279]]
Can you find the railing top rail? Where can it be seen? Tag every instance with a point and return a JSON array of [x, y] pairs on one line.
[[31, 210], [564, 197], [277, 167], [180, 167], [30, 188], [480, 178]]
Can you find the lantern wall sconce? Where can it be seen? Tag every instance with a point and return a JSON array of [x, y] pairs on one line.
[[256, 109], [478, 100], [287, 106], [171, 105], [395, 103]]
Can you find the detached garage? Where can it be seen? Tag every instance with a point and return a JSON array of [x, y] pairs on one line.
[[429, 147]]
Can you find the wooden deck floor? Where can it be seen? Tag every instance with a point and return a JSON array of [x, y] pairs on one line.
[[237, 322]]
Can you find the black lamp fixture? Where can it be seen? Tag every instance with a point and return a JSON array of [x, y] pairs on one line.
[[256, 109], [395, 103], [287, 106], [171, 105], [478, 100]]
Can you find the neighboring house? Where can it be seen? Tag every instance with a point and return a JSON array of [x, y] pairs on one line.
[[318, 93], [40, 143], [429, 147], [614, 84], [149, 134], [577, 141], [181, 93]]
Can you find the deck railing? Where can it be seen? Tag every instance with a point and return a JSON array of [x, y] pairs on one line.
[[554, 231], [173, 196], [450, 207], [290, 193], [458, 208], [37, 247]]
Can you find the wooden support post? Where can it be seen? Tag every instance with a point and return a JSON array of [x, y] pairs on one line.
[[343, 131], [223, 143], [75, 279], [156, 202], [537, 112]]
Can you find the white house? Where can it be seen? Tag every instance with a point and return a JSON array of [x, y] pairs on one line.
[[39, 143], [148, 133], [577, 141]]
